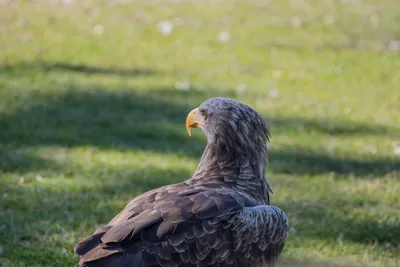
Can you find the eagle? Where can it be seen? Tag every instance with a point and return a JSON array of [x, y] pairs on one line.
[[220, 216]]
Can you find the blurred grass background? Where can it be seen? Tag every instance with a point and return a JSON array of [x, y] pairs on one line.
[[94, 94]]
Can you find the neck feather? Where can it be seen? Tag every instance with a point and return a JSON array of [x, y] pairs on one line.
[[239, 167]]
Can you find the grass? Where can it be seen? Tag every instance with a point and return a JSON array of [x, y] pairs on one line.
[[93, 99]]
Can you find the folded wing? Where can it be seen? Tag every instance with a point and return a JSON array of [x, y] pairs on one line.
[[189, 227]]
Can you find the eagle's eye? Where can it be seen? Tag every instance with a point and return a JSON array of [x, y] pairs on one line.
[[203, 114]]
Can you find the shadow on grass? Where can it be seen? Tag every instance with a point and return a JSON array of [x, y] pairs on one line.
[[21, 162], [10, 69], [332, 128], [304, 162], [154, 120], [328, 220], [126, 120]]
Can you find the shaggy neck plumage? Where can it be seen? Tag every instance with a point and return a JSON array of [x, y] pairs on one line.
[[241, 166]]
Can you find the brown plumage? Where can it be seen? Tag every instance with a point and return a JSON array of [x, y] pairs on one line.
[[219, 217]]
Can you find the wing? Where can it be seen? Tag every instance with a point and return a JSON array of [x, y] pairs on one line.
[[259, 230], [162, 218], [90, 245], [244, 237]]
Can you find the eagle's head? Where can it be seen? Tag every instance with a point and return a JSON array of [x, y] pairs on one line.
[[231, 126]]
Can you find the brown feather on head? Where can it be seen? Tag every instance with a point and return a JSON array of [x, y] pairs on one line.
[[224, 116], [231, 124]]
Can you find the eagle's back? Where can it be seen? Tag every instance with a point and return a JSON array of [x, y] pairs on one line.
[[186, 225]]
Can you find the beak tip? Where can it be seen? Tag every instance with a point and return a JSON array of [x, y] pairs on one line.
[[192, 120]]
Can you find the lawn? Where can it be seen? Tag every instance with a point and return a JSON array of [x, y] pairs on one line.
[[94, 94]]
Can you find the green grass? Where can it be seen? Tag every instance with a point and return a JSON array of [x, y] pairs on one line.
[[90, 120]]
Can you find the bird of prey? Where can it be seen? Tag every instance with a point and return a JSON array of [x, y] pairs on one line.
[[221, 216]]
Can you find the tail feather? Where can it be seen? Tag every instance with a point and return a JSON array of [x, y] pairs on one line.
[[90, 242], [98, 253], [124, 259]]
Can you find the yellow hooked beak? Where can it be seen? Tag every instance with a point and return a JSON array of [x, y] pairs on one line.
[[194, 119]]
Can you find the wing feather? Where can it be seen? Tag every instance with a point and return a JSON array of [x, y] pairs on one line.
[[211, 226]]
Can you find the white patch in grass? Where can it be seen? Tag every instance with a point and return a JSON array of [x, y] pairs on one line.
[[329, 19], [273, 93], [276, 74], [371, 149], [182, 85], [40, 179], [26, 37], [240, 89], [68, 2], [98, 29], [165, 27], [224, 36], [338, 69], [347, 110], [296, 22], [396, 150], [394, 45]]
